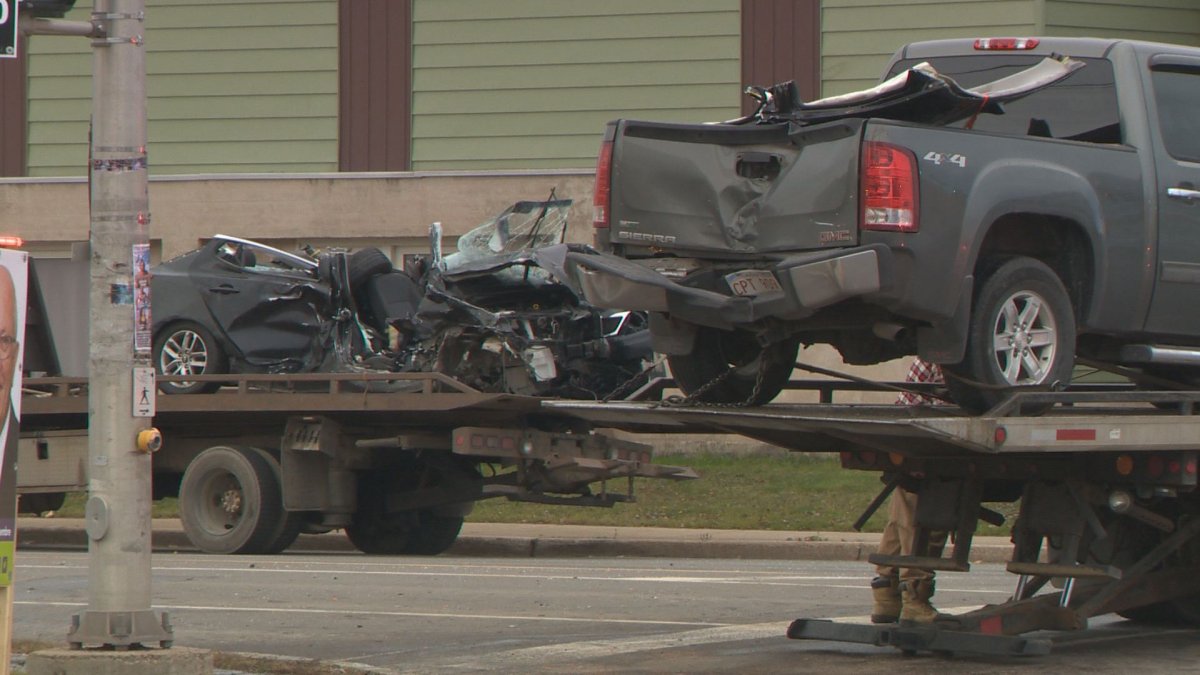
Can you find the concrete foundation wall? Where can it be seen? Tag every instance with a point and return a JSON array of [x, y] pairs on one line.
[[288, 210]]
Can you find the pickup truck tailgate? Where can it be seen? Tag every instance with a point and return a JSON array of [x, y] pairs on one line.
[[730, 189]]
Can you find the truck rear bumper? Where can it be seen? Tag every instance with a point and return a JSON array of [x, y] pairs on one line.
[[809, 281]]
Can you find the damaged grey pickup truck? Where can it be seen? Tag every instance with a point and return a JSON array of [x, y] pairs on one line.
[[997, 206]]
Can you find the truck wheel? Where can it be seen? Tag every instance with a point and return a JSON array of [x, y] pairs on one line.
[[290, 522], [715, 351], [230, 502], [1021, 334], [1178, 611], [373, 530], [433, 534], [186, 348]]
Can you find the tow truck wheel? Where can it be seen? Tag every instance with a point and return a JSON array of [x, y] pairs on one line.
[[716, 351], [433, 533], [290, 522], [1021, 334], [230, 502], [372, 529], [186, 348]]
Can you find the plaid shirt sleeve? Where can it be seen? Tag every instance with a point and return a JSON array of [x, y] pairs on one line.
[[921, 371]]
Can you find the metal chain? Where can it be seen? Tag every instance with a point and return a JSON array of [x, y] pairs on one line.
[[676, 401], [637, 379]]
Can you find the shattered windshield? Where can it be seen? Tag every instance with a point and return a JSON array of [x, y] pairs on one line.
[[524, 225]]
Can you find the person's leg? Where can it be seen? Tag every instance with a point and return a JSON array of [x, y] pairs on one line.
[[916, 585], [885, 587]]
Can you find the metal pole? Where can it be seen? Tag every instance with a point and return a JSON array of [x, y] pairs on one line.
[[118, 506]]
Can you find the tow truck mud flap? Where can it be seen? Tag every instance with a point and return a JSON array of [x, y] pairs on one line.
[[911, 639]]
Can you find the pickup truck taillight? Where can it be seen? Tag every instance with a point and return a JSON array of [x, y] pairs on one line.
[[889, 185], [603, 186]]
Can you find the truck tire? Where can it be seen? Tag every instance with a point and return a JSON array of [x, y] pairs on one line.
[[186, 348], [372, 529], [433, 533], [1178, 611], [715, 351], [230, 502], [290, 522], [1021, 334]]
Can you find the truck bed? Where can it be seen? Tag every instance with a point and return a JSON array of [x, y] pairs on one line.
[[1081, 421]]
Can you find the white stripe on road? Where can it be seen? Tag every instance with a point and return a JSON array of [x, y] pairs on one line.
[[798, 581], [424, 615], [575, 652]]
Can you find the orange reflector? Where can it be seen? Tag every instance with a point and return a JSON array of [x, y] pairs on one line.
[[11, 242], [897, 458], [1124, 465]]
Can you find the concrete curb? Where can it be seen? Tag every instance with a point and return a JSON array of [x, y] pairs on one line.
[[551, 541]]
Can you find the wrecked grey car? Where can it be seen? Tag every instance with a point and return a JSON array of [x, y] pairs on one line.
[[236, 305], [496, 314]]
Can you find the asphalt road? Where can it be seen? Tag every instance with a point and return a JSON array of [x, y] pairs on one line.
[[458, 614]]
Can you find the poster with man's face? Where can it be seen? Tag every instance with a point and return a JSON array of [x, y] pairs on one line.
[[14, 266]]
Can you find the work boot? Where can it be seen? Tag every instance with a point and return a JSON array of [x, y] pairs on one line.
[[886, 591], [916, 608]]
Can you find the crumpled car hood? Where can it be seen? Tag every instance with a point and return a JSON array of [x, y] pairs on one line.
[[920, 94]]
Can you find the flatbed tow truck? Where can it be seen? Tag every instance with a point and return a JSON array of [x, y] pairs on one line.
[[1108, 520], [1109, 515], [396, 460]]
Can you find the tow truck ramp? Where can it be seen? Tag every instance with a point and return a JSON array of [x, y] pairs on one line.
[[1106, 483]]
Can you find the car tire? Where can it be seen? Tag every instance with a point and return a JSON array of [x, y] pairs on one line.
[[715, 351], [364, 264], [230, 502], [1024, 305], [186, 348]]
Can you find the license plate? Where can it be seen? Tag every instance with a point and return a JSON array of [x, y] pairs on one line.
[[753, 282]]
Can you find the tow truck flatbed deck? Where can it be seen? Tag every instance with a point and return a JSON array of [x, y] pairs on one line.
[[1086, 421]]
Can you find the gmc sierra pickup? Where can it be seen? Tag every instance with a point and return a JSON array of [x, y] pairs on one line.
[[1001, 207]]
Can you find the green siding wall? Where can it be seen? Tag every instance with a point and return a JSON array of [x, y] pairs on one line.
[[1175, 21], [232, 86], [859, 36], [531, 83]]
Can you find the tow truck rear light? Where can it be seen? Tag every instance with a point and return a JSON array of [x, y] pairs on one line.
[[11, 242], [889, 185], [1155, 466], [603, 187], [1005, 44], [1124, 465]]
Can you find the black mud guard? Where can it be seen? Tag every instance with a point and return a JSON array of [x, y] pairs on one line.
[[946, 342]]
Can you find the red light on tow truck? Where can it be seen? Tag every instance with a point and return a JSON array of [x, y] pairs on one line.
[[1005, 44], [11, 242]]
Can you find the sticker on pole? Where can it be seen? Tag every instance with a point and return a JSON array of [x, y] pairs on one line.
[[8, 29], [143, 392]]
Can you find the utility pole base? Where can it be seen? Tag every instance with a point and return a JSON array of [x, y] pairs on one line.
[[120, 629], [178, 661]]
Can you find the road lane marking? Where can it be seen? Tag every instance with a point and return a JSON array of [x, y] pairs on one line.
[[575, 652], [794, 581], [422, 615]]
